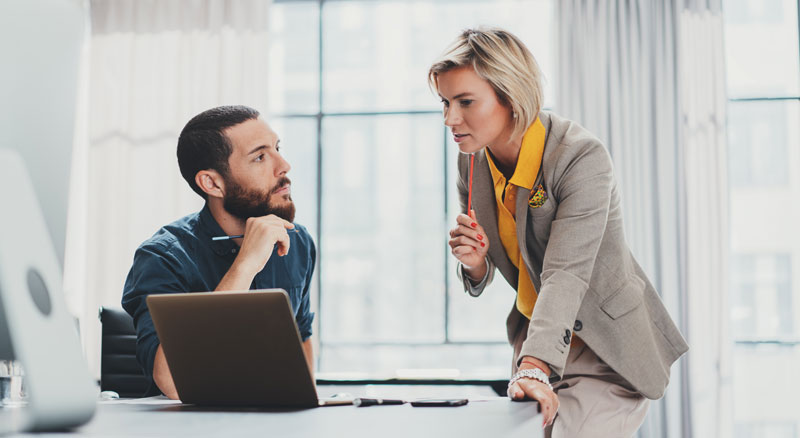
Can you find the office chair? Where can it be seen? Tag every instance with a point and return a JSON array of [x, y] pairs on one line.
[[119, 369]]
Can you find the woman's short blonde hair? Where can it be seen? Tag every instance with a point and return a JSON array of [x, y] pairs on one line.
[[502, 59]]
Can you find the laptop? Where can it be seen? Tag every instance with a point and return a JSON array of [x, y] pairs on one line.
[[234, 349]]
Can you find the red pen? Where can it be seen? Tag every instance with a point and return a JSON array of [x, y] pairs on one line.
[[469, 198]]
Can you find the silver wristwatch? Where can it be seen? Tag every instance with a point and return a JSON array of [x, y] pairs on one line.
[[533, 373]]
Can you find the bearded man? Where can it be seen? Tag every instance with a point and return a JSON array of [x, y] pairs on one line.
[[231, 158]]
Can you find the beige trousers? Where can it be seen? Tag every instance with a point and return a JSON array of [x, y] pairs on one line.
[[594, 401]]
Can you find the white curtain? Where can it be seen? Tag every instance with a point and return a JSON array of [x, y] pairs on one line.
[[154, 64], [626, 68], [616, 71], [702, 134]]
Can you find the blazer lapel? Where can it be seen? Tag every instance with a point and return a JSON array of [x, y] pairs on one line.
[[522, 208], [485, 208]]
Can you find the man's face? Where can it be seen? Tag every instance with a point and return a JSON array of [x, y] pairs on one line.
[[257, 184]]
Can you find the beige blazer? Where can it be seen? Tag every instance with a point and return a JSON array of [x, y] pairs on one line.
[[574, 249]]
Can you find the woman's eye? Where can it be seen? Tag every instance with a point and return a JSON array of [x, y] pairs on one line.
[[260, 157], [466, 102], [445, 103]]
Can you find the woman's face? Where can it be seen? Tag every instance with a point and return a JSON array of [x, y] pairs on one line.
[[472, 110]]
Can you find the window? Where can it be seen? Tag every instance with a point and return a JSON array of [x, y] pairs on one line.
[[763, 73], [374, 176], [759, 133], [761, 297]]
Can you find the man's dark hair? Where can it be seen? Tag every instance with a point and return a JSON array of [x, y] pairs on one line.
[[203, 145]]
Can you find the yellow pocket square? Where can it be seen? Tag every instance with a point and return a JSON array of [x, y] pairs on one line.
[[538, 197]]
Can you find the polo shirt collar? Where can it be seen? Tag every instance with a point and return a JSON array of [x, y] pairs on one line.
[[530, 158]]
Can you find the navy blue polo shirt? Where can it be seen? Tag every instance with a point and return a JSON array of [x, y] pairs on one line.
[[181, 257]]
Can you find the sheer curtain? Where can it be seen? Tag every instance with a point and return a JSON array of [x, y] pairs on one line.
[[152, 66], [629, 72], [702, 135]]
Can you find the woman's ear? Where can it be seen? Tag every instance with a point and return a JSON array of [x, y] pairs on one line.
[[210, 182]]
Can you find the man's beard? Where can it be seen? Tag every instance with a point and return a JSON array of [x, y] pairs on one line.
[[244, 203]]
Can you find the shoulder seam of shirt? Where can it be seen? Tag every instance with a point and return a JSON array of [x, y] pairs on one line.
[[167, 243]]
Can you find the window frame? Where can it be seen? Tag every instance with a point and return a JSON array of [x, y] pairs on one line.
[[781, 341], [319, 117]]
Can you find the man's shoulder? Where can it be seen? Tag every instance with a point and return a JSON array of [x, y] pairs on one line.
[[303, 236], [174, 237]]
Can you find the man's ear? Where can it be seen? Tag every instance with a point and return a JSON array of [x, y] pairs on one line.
[[211, 182]]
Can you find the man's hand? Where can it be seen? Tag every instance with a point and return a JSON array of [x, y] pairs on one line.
[[261, 234], [536, 390], [469, 244]]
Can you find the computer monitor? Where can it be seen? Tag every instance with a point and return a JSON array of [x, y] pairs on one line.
[[41, 43], [35, 326]]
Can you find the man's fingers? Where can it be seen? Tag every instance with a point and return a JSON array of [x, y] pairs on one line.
[[286, 224], [273, 220], [283, 242]]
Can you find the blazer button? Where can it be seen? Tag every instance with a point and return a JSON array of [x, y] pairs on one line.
[[566, 340], [578, 325]]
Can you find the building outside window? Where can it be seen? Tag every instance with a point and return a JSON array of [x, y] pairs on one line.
[[763, 70]]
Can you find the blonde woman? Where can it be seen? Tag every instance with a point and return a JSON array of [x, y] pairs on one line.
[[592, 339]]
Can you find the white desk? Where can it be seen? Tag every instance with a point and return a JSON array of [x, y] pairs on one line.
[[482, 417]]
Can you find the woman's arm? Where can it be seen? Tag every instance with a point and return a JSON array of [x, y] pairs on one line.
[[474, 278], [584, 191]]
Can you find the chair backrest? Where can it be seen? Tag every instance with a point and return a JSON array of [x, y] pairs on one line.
[[119, 369]]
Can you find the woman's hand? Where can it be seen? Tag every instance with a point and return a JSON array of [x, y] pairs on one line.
[[536, 390], [469, 244]]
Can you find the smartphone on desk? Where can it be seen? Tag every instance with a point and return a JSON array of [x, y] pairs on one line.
[[439, 402]]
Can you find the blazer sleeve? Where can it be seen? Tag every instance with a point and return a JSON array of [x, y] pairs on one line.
[[584, 191], [472, 289]]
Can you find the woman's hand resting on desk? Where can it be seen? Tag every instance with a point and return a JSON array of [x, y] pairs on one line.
[[536, 390], [469, 244]]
